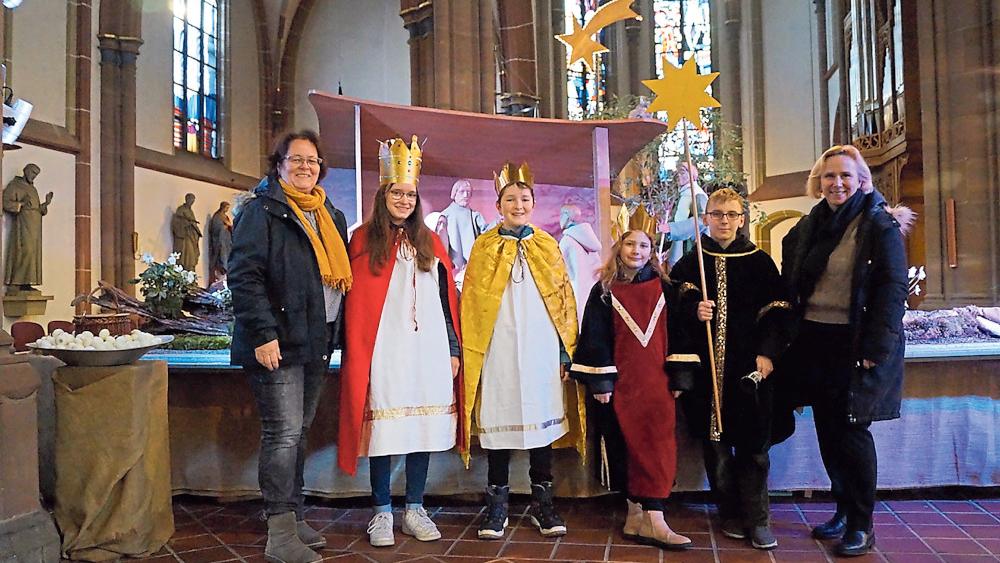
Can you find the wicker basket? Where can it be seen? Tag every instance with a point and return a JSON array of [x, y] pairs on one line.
[[116, 323]]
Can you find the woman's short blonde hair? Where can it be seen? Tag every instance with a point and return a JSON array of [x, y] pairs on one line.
[[813, 189]]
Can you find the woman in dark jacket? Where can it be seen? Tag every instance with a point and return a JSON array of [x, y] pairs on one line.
[[288, 272], [845, 267]]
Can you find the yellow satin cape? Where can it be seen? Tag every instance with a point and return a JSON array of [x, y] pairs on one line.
[[486, 277]]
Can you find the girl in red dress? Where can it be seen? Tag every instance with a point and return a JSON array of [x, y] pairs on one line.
[[628, 357]]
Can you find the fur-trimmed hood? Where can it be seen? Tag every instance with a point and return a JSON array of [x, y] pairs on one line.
[[904, 216]]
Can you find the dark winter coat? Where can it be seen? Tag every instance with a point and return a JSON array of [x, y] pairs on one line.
[[878, 296], [275, 281]]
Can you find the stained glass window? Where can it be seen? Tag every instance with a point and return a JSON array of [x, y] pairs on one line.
[[585, 90], [196, 72], [683, 29]]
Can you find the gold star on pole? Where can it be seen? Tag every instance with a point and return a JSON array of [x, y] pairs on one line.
[[581, 43], [681, 92]]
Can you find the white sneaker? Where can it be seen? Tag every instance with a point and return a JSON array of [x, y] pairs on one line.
[[418, 524], [380, 530]]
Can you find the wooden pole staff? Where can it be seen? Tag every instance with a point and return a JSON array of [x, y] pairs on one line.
[[715, 434]]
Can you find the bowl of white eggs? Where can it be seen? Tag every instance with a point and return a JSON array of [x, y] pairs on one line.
[[102, 349]]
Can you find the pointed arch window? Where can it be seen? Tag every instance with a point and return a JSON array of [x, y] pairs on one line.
[[196, 76]]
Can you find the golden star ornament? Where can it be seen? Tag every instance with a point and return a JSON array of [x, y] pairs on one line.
[[581, 43], [681, 93]]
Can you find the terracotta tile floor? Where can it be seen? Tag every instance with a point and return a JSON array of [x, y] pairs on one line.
[[907, 531]]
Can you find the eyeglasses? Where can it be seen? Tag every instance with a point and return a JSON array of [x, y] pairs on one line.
[[397, 195], [300, 160], [719, 215]]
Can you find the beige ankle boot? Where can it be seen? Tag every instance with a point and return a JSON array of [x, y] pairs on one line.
[[283, 544], [633, 521], [654, 531]]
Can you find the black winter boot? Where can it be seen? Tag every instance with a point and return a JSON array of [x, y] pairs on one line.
[[495, 520], [543, 512]]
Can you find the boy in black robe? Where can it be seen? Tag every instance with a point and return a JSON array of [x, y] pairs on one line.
[[746, 308]]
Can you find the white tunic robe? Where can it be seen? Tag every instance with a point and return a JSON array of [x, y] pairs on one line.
[[411, 400], [521, 396]]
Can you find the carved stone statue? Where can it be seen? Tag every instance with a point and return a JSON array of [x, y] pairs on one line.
[[184, 228], [24, 247], [220, 242]]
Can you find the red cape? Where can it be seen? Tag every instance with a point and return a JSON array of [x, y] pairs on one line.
[[362, 314]]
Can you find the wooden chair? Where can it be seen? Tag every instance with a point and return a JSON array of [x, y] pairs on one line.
[[24, 332], [65, 325]]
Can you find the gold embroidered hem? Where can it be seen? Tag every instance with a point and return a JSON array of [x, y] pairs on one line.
[[684, 358], [773, 305], [402, 412], [592, 370], [523, 427]]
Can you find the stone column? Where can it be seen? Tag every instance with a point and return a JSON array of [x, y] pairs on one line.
[[961, 132], [518, 78], [419, 22], [26, 530], [118, 40], [451, 53], [81, 58], [550, 58]]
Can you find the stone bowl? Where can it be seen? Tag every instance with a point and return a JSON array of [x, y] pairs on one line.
[[99, 358]]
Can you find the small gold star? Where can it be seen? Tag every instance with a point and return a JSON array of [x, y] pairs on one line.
[[681, 93]]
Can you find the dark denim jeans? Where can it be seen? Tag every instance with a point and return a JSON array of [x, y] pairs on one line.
[[286, 402], [380, 469]]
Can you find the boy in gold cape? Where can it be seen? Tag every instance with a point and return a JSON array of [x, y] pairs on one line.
[[521, 328]]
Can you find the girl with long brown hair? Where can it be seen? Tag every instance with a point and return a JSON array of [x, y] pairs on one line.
[[404, 307]]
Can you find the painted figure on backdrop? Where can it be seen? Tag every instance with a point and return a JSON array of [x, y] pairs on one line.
[[520, 314], [24, 244], [288, 273], [635, 360], [220, 242], [581, 249], [400, 377], [186, 234], [680, 229], [464, 223], [844, 265], [749, 315]]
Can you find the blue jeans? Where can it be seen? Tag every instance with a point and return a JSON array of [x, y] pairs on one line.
[[286, 402], [380, 469]]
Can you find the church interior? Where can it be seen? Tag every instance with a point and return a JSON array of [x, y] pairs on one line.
[[134, 132]]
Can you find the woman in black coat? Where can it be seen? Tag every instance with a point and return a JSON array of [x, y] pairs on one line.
[[845, 267], [288, 272]]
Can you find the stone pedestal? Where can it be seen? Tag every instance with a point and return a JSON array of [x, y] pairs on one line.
[[26, 530], [23, 303]]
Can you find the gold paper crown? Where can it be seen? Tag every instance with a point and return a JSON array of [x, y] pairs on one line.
[[398, 164], [638, 220], [509, 175]]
